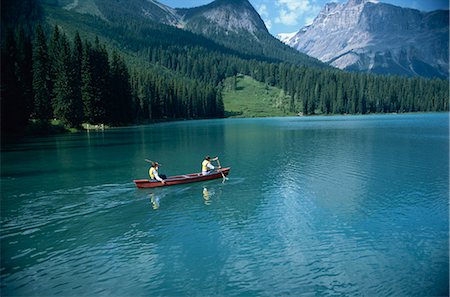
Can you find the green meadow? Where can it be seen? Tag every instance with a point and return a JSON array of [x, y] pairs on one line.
[[245, 97]]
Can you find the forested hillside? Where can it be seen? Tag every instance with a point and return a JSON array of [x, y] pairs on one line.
[[81, 68]]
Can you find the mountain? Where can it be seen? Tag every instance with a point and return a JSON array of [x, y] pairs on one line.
[[234, 24], [223, 16], [380, 38], [237, 25]]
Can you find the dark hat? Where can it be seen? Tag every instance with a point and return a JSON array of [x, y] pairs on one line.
[[207, 157]]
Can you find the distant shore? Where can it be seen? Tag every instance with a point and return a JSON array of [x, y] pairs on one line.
[[55, 127]]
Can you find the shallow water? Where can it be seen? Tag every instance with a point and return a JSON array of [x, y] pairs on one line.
[[316, 206]]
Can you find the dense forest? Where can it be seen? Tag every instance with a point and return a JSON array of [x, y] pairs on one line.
[[139, 71], [79, 81]]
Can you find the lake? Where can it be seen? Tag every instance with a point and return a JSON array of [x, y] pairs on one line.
[[338, 205]]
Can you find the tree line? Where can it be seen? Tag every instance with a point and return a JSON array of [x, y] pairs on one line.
[[70, 81], [79, 81], [311, 90], [330, 91]]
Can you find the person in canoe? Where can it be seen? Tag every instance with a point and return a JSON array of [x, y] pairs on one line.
[[207, 167], [153, 172]]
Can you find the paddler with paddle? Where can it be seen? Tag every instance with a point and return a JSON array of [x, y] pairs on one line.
[[153, 172], [207, 167]]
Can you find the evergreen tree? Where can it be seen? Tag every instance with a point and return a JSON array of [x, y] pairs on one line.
[[77, 57], [120, 101], [24, 73], [12, 99], [220, 108], [54, 49], [87, 85], [41, 79], [101, 79], [66, 105]]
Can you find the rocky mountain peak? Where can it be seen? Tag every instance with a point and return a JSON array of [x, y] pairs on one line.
[[371, 36], [227, 15]]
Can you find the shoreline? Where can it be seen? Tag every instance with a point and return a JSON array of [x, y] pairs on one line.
[[58, 129]]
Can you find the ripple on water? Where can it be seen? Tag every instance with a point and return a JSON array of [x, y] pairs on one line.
[[317, 210], [42, 209]]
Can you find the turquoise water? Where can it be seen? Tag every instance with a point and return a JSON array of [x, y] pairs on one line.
[[313, 206]]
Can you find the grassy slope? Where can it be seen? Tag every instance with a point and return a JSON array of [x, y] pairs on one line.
[[250, 98]]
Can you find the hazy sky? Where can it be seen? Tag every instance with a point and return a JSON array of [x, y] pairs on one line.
[[285, 16]]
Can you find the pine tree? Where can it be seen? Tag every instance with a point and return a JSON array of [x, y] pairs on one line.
[[120, 102], [95, 82], [11, 96], [24, 73], [101, 79], [54, 48], [66, 105], [77, 57], [87, 85], [220, 108], [41, 78]]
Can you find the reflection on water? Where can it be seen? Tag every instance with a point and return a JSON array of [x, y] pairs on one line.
[[155, 197], [206, 196], [210, 193], [154, 201]]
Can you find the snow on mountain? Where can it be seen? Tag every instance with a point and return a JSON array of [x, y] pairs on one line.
[[284, 37]]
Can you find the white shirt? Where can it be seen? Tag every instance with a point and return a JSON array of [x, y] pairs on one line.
[[155, 173]]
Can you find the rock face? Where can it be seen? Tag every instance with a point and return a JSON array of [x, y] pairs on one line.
[[223, 16], [112, 9], [376, 37]]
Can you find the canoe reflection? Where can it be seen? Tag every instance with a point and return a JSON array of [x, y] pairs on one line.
[[206, 196], [154, 200]]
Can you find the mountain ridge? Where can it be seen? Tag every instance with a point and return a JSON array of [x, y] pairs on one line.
[[375, 37], [234, 24]]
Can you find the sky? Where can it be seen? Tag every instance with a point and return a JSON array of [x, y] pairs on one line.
[[286, 16]]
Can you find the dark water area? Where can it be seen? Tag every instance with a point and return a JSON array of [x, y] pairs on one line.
[[320, 206]]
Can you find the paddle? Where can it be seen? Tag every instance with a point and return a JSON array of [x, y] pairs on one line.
[[223, 175], [150, 161]]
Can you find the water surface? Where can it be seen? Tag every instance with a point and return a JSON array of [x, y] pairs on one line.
[[315, 206]]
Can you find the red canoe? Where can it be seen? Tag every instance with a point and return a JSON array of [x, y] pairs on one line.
[[181, 179]]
